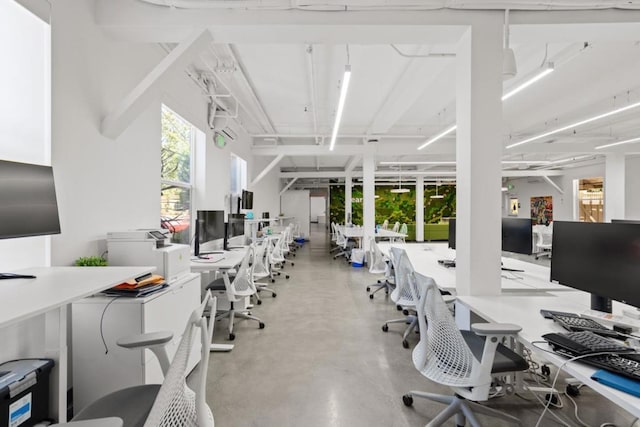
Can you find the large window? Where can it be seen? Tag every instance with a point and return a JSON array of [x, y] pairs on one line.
[[176, 175]]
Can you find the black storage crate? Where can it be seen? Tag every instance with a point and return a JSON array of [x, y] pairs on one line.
[[24, 392]]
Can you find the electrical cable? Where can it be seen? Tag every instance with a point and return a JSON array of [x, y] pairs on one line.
[[104, 342], [575, 412]]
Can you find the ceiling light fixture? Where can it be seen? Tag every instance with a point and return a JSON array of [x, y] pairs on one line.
[[576, 124], [526, 162], [613, 144], [437, 196], [505, 189], [509, 68], [341, 101], [442, 134], [545, 71], [399, 189], [434, 163]]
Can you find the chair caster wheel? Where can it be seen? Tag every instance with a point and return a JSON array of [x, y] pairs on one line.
[[407, 399], [232, 337], [261, 325], [292, 264], [370, 296], [259, 302], [379, 281], [399, 308], [405, 343], [368, 289], [275, 295], [273, 280], [385, 328], [405, 312]]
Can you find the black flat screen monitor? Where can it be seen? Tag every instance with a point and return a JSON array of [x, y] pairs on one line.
[[625, 221], [28, 204], [452, 233], [600, 258], [517, 235], [209, 227], [247, 199], [236, 225]]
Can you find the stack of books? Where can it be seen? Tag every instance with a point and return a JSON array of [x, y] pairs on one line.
[[139, 287]]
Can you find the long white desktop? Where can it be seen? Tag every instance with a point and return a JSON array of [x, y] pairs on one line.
[[524, 294], [49, 294]]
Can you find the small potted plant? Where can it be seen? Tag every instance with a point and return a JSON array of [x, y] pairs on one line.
[[91, 261]]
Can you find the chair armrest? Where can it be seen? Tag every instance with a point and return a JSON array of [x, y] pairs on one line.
[[98, 422], [484, 329], [145, 340]]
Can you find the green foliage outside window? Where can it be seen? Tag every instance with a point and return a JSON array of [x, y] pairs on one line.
[[395, 207]]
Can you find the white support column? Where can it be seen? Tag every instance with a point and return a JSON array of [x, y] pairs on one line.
[[614, 187], [369, 204], [478, 152], [347, 199], [419, 209]]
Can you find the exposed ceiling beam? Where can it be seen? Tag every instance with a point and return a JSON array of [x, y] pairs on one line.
[[358, 174], [286, 187], [553, 184], [266, 170], [139, 98], [352, 163]]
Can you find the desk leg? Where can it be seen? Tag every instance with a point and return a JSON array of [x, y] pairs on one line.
[[56, 349]]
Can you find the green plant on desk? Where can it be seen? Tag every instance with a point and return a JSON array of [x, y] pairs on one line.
[[91, 261]]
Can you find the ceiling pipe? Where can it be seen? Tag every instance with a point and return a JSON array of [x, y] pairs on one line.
[[312, 91], [406, 5]]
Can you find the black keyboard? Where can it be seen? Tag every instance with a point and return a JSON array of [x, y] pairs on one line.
[[621, 364], [584, 342], [575, 323], [548, 314]]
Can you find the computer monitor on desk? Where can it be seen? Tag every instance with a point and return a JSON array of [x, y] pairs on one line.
[[452, 233], [600, 258], [517, 235], [209, 228]]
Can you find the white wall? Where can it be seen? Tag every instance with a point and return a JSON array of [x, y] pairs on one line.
[[105, 184], [525, 188], [318, 206], [632, 184], [24, 136], [266, 192]]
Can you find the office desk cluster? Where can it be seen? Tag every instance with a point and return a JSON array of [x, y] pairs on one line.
[[524, 294]]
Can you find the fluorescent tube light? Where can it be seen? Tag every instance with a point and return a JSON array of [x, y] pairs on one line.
[[526, 162], [571, 159], [613, 144], [538, 76], [505, 189], [576, 124], [438, 136], [343, 97], [399, 190], [437, 196], [434, 163]]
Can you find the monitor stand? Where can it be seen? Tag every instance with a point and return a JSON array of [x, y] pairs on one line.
[[6, 276], [600, 303]]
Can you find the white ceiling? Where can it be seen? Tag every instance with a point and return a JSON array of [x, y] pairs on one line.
[[391, 96]]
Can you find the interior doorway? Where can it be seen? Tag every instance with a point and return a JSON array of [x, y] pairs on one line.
[[591, 199]]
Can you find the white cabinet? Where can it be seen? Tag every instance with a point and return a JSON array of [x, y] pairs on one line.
[[99, 366]]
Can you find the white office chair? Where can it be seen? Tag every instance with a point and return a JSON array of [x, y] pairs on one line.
[[385, 224], [260, 269], [343, 243], [276, 257], [396, 227], [543, 243], [238, 289], [403, 230], [379, 264], [462, 360], [402, 295], [153, 405]]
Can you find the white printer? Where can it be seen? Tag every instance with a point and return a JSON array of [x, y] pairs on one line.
[[149, 247]]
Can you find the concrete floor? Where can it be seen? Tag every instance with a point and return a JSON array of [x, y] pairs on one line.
[[322, 359]]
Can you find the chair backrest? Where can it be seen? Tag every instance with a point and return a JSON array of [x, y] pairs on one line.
[[260, 266], [442, 355], [176, 404], [404, 229], [276, 250], [385, 224], [242, 284], [396, 227], [378, 263], [403, 269], [340, 239]]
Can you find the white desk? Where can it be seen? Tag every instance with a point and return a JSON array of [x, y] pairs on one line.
[[231, 260], [424, 258], [525, 311], [50, 294], [358, 233]]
